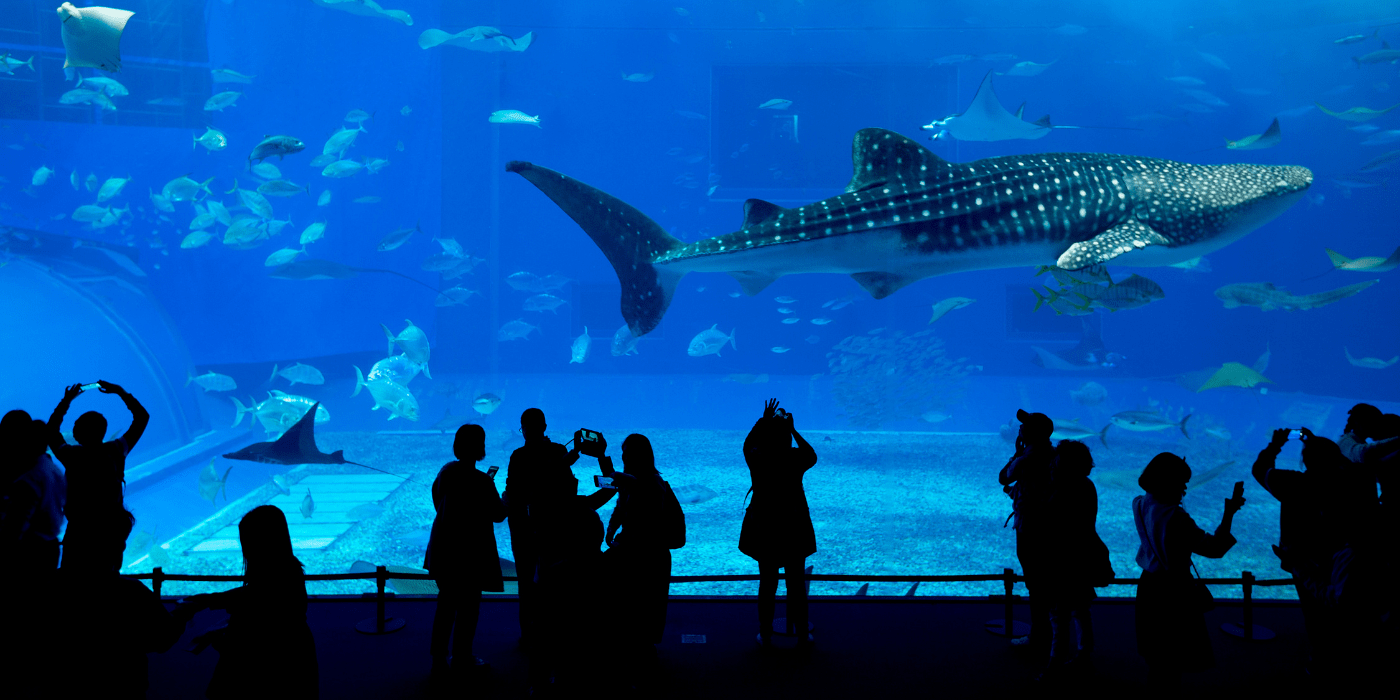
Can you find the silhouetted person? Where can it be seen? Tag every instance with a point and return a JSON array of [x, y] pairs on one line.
[[103, 625], [571, 592], [462, 548], [267, 650], [640, 535], [1026, 478], [1077, 559], [1323, 509], [1171, 604], [31, 513], [1372, 439], [540, 467], [777, 530], [95, 470]]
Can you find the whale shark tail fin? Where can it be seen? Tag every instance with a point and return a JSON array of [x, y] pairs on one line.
[[628, 238]]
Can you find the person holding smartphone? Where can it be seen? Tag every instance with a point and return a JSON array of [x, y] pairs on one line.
[[95, 470], [1171, 605], [462, 548], [777, 530], [1328, 506]]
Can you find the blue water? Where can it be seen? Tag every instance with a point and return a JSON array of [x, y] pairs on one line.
[[686, 147]]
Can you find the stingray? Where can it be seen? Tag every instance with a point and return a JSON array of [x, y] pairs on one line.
[[1270, 138], [1234, 374], [489, 39], [92, 36], [986, 120], [366, 8], [1356, 114], [315, 269], [1370, 263]]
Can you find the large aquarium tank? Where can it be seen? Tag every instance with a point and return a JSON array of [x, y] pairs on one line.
[[1168, 226]]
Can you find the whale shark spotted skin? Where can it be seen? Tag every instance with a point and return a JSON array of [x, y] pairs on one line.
[[908, 214]]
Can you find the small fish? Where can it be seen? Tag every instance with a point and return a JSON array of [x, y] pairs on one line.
[[1213, 61], [486, 404], [374, 165], [515, 330], [1090, 394], [283, 484], [282, 188], [1147, 421], [324, 199], [308, 505], [196, 239], [735, 295], [1218, 432], [791, 320], [282, 257], [406, 110], [210, 484], [779, 349], [578, 350], [212, 140], [935, 416], [397, 238], [228, 75], [638, 77], [342, 168], [709, 342], [821, 321], [313, 233], [370, 199], [218, 102], [813, 339], [1384, 160], [1369, 362], [1261, 365], [786, 300], [1206, 98], [41, 175], [784, 310], [543, 302], [301, 374], [167, 102], [949, 304], [455, 296], [358, 116], [513, 116], [398, 146], [1356, 38], [91, 182], [212, 381], [776, 103], [280, 146], [1027, 68]]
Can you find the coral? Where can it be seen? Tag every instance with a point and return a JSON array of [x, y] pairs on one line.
[[891, 375]]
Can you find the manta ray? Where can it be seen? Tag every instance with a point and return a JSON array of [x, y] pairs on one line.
[[986, 120], [296, 446], [908, 214]]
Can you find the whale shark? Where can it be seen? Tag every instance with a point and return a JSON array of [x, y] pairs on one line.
[[907, 214]]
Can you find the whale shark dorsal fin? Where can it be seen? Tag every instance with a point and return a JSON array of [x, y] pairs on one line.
[[757, 211], [1127, 236], [880, 284], [879, 156]]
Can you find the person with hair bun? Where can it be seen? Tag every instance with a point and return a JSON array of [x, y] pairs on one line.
[[1171, 604]]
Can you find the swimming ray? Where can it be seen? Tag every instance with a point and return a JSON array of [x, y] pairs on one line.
[[985, 119], [1270, 138]]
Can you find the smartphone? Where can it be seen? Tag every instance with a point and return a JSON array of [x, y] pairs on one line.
[[90, 387], [603, 482], [1295, 434], [491, 471], [590, 442], [1239, 490]]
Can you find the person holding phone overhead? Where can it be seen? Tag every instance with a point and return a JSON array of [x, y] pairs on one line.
[[462, 548], [95, 470], [1171, 604], [777, 530]]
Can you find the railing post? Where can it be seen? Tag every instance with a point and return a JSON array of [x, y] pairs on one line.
[[1009, 583], [1247, 579], [380, 579], [157, 578]]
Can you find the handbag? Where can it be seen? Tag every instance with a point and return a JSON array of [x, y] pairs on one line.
[[1198, 598], [1100, 567]]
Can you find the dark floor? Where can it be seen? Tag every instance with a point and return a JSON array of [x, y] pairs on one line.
[[869, 647]]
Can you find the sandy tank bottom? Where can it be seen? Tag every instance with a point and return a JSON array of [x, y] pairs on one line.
[[881, 503]]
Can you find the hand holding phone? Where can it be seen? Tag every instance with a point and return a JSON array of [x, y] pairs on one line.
[[1236, 499]]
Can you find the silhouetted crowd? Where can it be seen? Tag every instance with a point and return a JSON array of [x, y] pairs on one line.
[[1337, 535]]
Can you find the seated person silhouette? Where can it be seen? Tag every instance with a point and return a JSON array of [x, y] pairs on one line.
[[95, 470], [777, 529], [462, 548], [267, 650], [104, 624]]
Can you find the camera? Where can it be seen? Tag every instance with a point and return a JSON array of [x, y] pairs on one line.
[[590, 442]]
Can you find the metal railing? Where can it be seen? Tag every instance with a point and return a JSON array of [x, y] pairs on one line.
[[1008, 577]]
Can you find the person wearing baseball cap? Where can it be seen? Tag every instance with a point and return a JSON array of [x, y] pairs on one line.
[[1026, 479]]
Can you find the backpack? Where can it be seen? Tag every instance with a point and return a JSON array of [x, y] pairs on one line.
[[670, 519]]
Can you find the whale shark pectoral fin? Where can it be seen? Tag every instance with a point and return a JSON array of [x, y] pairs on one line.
[[752, 281], [757, 211], [881, 284], [880, 156], [1125, 237]]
